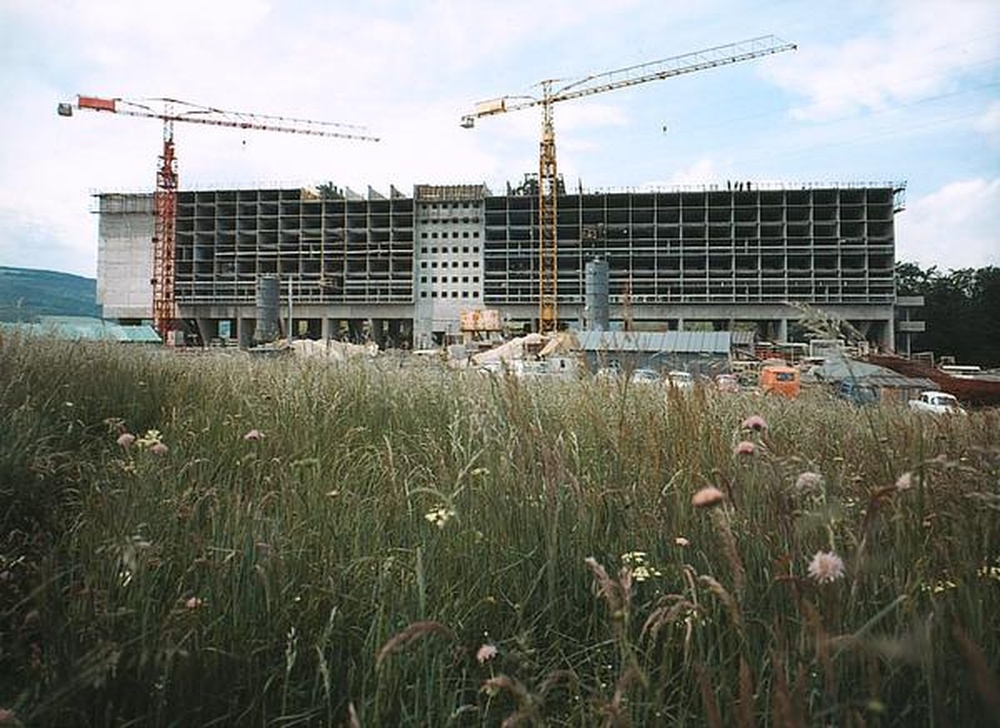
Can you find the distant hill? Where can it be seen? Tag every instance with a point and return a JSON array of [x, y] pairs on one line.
[[26, 294]]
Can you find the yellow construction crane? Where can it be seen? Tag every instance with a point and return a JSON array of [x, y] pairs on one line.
[[165, 317], [554, 90]]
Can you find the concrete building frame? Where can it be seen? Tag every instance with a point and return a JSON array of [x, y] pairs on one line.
[[400, 269]]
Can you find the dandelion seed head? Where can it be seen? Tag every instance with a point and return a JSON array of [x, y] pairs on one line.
[[905, 481], [681, 541], [826, 567], [193, 603], [254, 435], [707, 497]]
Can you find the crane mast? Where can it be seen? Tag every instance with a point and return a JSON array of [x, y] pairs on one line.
[[587, 86], [165, 313]]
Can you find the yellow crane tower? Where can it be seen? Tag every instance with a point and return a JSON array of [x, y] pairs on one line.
[[554, 90], [165, 317]]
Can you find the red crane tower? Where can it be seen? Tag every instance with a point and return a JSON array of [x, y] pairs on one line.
[[165, 313], [553, 90]]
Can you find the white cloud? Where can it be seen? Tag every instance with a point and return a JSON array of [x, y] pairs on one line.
[[958, 226], [703, 171], [922, 48], [409, 71], [989, 123]]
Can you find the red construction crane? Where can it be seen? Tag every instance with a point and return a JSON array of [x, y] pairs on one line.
[[165, 198], [556, 90]]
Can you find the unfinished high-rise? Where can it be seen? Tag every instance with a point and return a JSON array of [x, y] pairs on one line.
[[401, 268]]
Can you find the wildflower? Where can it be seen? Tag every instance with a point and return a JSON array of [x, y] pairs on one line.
[[479, 472], [642, 572], [989, 572], [634, 558], [126, 439], [638, 567], [193, 603], [707, 497], [826, 567], [808, 482], [158, 448], [755, 423], [486, 653], [440, 516], [745, 448], [254, 435], [943, 586], [905, 481], [8, 717], [150, 438], [681, 541]]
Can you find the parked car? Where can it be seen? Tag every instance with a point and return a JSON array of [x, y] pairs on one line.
[[645, 376], [727, 383], [856, 392], [939, 403], [681, 380]]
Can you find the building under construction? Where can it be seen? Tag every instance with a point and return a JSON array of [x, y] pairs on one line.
[[401, 269]]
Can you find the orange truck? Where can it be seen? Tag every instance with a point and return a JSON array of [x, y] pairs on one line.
[[783, 380]]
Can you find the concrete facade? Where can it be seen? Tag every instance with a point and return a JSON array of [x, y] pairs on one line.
[[401, 269], [125, 256]]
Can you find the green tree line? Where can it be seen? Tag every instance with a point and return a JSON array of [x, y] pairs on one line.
[[961, 309]]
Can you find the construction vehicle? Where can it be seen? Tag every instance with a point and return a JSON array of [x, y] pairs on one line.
[[165, 315], [780, 379], [553, 91]]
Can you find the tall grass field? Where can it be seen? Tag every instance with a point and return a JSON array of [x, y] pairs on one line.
[[218, 540]]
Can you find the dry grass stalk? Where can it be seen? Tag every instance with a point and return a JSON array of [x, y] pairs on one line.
[[985, 682], [744, 709], [732, 606], [783, 703], [352, 717], [527, 706], [411, 634], [713, 717], [822, 642], [675, 607], [720, 519], [614, 715]]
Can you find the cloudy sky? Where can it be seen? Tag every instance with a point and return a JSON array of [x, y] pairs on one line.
[[893, 91]]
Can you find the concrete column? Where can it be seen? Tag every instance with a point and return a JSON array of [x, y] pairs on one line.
[[889, 336], [324, 329], [782, 329], [244, 332], [208, 329]]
